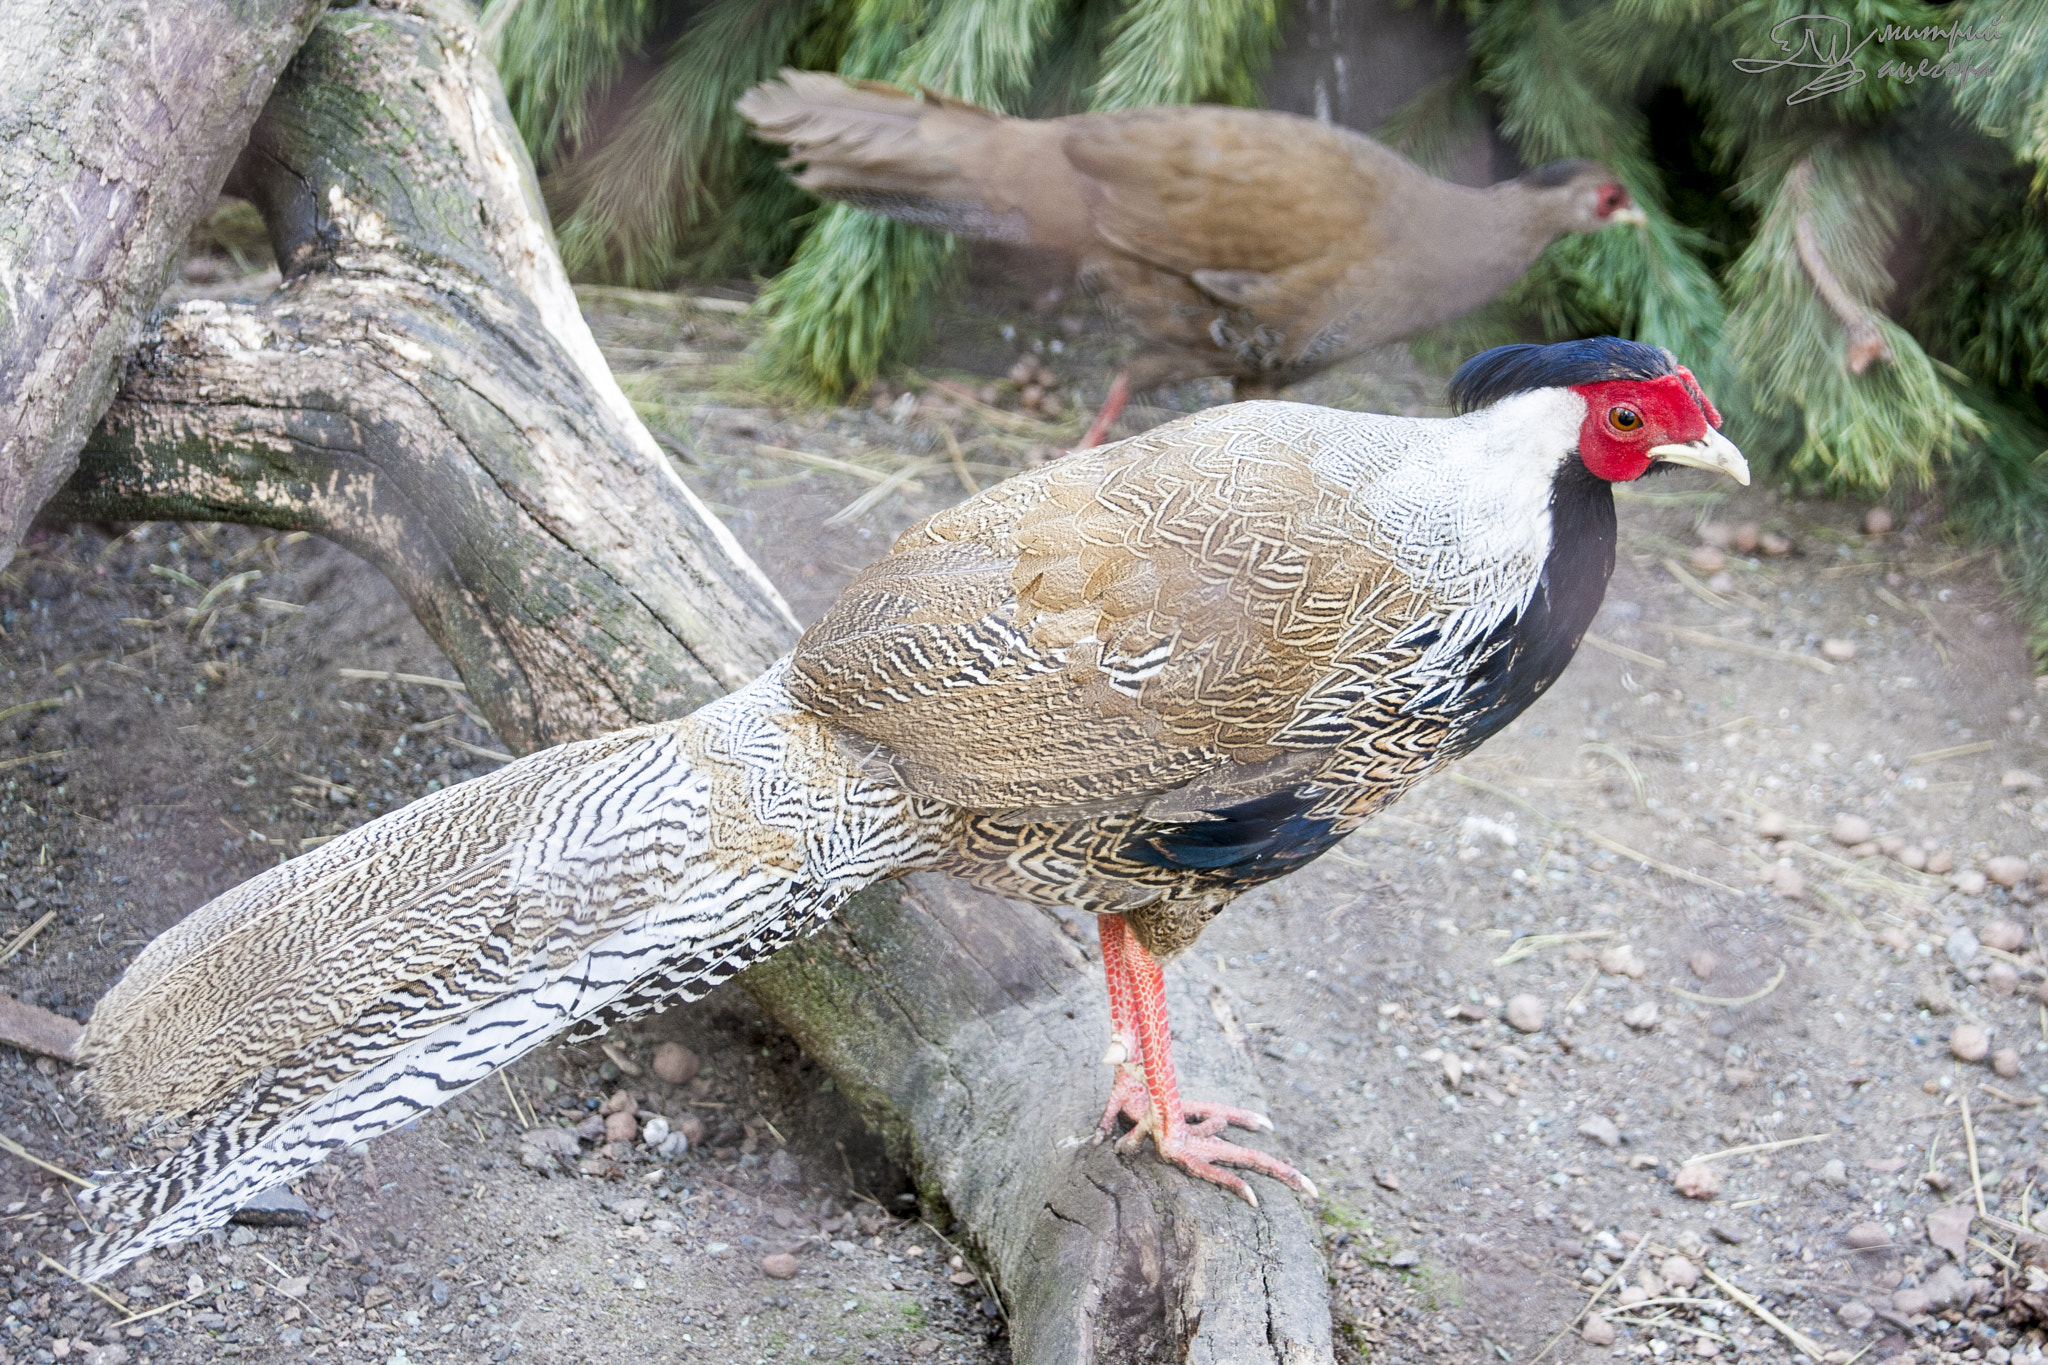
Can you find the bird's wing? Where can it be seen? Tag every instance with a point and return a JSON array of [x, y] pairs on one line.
[[1115, 627], [1235, 194]]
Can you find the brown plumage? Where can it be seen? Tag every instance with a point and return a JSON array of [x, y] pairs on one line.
[[1259, 246]]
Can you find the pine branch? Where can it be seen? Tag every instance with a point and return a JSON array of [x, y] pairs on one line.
[[2012, 102], [682, 160], [1188, 51], [1866, 343], [1862, 430], [558, 57]]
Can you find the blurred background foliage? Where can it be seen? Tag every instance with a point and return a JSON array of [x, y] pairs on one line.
[[1910, 214]]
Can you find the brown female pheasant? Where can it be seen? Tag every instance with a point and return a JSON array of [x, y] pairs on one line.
[[1137, 681], [1263, 247]]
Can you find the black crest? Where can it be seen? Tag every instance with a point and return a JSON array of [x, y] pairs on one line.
[[1506, 371]]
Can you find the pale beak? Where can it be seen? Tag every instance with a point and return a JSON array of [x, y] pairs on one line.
[[1711, 451], [1631, 215]]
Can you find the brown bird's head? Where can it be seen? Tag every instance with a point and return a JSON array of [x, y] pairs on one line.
[[1583, 195]]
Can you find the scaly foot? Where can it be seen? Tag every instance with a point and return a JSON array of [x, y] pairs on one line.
[[1195, 1149], [1146, 1090]]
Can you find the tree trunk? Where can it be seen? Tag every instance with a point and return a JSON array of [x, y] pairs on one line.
[[422, 390], [117, 123]]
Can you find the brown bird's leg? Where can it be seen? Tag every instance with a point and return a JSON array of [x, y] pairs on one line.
[[1112, 408], [1137, 1007]]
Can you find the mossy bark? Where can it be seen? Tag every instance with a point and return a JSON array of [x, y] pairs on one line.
[[118, 120], [422, 390]]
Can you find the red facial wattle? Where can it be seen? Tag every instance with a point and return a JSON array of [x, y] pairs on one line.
[[1613, 198], [1626, 418]]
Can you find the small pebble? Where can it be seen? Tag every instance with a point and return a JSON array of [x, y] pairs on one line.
[[690, 1126], [2000, 978], [1718, 534], [2020, 780], [2003, 935], [1770, 825], [1744, 538], [1788, 882], [1597, 1331], [1891, 845], [1877, 521], [1703, 964], [1894, 938], [620, 1102], [1602, 1130], [1855, 1315], [1867, 1237], [1679, 1273], [1697, 1180], [1641, 1018], [1631, 1295], [620, 1127], [1914, 856], [1525, 1013], [1940, 861], [1721, 582], [1620, 960], [780, 1266], [2006, 1062], [1708, 559], [2007, 871], [655, 1131], [1773, 544], [1849, 829], [1969, 1042], [675, 1063], [1961, 947], [1911, 1302], [1839, 651], [1834, 1171], [1969, 881], [1706, 1348]]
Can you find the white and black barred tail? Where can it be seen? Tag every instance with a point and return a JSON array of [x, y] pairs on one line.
[[347, 992]]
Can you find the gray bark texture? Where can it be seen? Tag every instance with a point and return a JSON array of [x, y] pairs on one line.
[[118, 120], [422, 390]]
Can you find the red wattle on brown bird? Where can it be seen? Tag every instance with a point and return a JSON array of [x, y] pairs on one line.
[[1258, 246]]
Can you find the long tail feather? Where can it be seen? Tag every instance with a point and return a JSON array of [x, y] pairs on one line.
[[318, 1006]]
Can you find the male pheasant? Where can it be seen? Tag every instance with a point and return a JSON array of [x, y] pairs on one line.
[[1136, 681], [1260, 246]]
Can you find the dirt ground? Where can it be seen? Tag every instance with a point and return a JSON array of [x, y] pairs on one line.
[[185, 705]]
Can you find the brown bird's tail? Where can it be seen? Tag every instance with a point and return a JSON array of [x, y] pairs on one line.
[[926, 158]]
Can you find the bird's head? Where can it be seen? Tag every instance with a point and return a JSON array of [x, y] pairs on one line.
[[1639, 408], [1586, 195]]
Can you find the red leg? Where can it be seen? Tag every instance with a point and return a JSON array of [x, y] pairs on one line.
[[1127, 1097], [1135, 975], [1112, 408]]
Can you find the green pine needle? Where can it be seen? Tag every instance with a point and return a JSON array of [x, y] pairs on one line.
[[855, 297]]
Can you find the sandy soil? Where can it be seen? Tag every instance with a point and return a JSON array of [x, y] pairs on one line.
[[163, 736]]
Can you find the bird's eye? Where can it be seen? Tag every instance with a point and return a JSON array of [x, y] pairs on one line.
[[1624, 419]]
